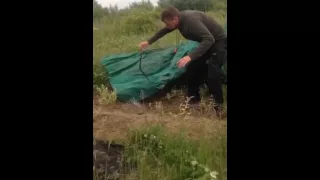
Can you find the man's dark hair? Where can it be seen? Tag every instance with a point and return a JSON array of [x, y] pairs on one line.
[[169, 13]]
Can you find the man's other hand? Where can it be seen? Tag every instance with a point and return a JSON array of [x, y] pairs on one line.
[[143, 45], [183, 61]]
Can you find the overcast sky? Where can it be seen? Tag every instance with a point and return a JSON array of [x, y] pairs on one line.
[[121, 3]]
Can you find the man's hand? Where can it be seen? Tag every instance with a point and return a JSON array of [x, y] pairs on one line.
[[183, 61], [143, 45]]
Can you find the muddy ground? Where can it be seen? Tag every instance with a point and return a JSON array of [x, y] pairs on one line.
[[107, 159]]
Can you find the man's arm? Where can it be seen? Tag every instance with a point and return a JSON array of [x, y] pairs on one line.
[[199, 29], [159, 35]]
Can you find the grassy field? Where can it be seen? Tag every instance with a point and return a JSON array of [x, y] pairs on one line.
[[164, 140]]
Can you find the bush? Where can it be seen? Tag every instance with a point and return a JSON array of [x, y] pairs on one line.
[[219, 16], [219, 5], [140, 23], [99, 76], [105, 95]]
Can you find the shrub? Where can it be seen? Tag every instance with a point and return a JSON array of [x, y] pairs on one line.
[[140, 23]]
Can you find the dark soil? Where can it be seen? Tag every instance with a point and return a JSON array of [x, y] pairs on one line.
[[107, 160]]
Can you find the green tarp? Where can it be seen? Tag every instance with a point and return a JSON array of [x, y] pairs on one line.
[[159, 65]]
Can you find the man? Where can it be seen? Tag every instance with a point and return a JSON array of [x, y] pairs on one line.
[[197, 26]]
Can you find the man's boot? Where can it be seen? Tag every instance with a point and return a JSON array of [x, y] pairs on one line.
[[194, 101], [219, 110]]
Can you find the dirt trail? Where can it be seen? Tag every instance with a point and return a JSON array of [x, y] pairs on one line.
[[112, 122]]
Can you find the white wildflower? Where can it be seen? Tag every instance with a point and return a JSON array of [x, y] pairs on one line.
[[144, 153], [145, 135], [214, 174], [206, 169], [194, 163]]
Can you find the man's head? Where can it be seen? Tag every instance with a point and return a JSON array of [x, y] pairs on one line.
[[171, 17]]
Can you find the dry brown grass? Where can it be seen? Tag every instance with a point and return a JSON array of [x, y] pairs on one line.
[[112, 122]]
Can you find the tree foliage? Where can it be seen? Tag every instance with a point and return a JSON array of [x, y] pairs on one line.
[[146, 5], [201, 5], [99, 11]]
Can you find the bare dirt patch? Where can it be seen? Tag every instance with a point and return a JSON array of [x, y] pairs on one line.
[[112, 122]]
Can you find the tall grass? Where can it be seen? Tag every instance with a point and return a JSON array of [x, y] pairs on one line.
[[160, 156]]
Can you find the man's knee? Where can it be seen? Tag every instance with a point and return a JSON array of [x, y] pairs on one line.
[[218, 58], [213, 72]]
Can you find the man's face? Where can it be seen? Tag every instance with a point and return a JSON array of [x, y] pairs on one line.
[[172, 23]]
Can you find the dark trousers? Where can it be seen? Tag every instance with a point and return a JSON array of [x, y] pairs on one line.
[[211, 73]]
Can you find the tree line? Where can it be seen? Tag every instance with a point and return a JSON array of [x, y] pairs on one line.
[[202, 5]]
